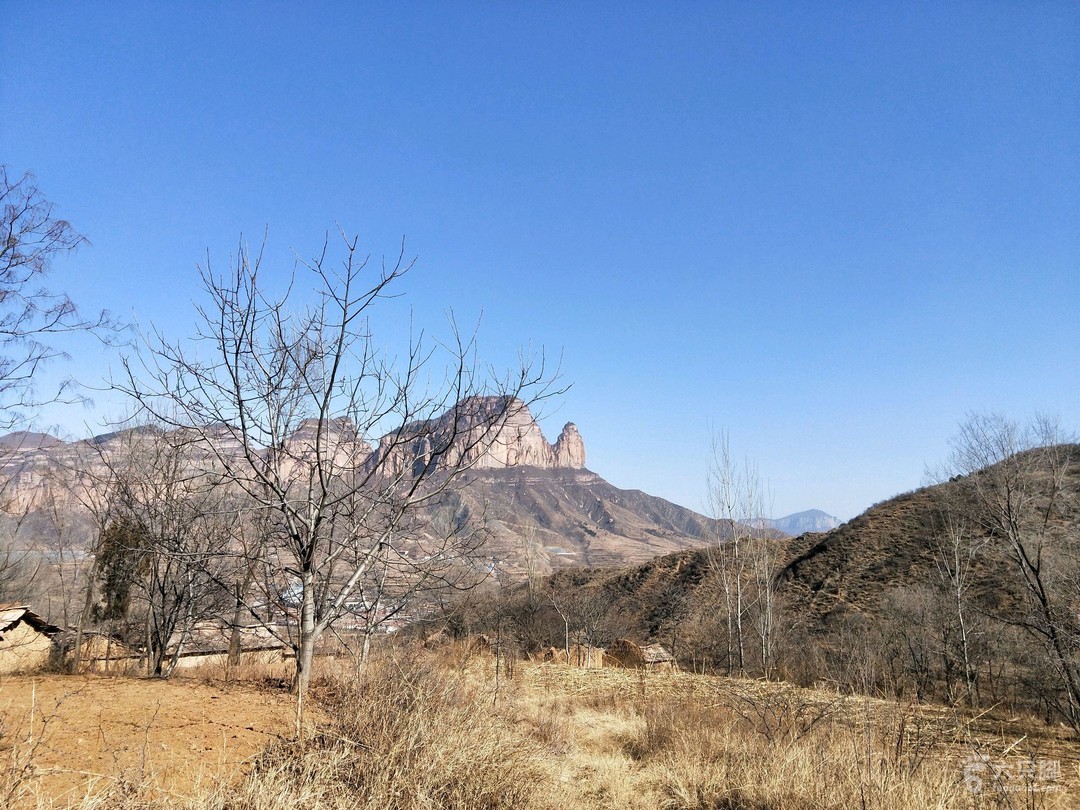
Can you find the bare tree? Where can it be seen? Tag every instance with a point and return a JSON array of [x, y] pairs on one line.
[[743, 559], [433, 552], [30, 238], [20, 563], [1021, 487], [532, 549], [958, 546], [560, 601], [66, 552], [288, 400], [585, 608], [174, 555]]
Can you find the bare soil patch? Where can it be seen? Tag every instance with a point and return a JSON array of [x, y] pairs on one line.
[[80, 734]]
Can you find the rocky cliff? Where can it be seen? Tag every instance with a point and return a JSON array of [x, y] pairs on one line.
[[532, 501], [483, 433], [569, 449]]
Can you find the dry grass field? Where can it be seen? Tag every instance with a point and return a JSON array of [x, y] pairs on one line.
[[435, 729]]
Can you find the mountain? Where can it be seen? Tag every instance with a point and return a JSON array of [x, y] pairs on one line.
[[463, 437], [538, 506], [812, 520], [564, 517], [855, 568], [23, 440]]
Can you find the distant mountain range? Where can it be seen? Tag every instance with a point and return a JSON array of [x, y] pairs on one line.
[[812, 520], [541, 509]]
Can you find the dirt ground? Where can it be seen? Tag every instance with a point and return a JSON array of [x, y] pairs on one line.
[[73, 734]]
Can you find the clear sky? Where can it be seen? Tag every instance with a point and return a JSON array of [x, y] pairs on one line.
[[830, 229]]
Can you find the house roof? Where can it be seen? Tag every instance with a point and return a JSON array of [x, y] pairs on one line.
[[11, 615], [656, 654]]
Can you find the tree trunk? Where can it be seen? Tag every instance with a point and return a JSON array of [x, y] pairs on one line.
[[235, 638], [305, 653], [84, 618]]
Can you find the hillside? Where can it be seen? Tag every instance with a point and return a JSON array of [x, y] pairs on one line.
[[898, 543], [571, 518], [849, 567], [822, 577]]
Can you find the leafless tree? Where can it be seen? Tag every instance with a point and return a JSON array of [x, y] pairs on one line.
[[439, 553], [958, 546], [1022, 487], [288, 399], [178, 510], [23, 568], [533, 554], [20, 564], [30, 238], [743, 559], [156, 522], [585, 608], [559, 601], [66, 552]]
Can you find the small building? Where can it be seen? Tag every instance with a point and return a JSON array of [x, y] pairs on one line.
[[628, 655], [99, 652], [25, 639], [659, 659], [209, 642]]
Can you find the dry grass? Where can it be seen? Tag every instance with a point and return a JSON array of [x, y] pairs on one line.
[[406, 734], [423, 729], [684, 741]]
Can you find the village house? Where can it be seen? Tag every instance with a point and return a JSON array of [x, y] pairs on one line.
[[25, 639], [628, 655]]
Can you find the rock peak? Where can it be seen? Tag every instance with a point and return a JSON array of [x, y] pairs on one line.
[[521, 442], [465, 435], [569, 448]]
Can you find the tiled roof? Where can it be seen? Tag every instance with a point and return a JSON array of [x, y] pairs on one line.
[[10, 615]]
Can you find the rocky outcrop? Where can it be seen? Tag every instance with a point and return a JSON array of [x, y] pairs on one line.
[[521, 443], [337, 441], [482, 433], [569, 449]]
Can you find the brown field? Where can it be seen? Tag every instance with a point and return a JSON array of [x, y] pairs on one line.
[[66, 736], [436, 729]]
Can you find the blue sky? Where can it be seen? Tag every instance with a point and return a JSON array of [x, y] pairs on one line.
[[831, 230]]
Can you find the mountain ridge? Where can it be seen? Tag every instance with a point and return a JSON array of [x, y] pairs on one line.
[[539, 506]]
